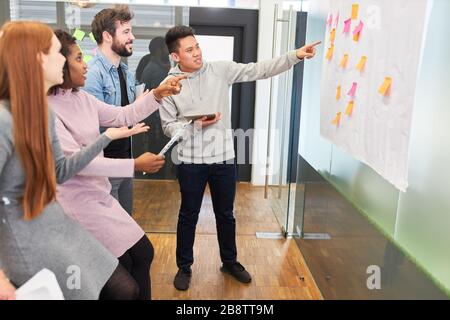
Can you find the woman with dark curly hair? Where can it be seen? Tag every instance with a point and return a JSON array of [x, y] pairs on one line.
[[86, 197]]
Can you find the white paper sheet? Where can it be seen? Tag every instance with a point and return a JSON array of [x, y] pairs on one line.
[[42, 286], [377, 133]]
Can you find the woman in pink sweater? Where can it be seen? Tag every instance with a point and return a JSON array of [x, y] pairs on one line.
[[86, 197]]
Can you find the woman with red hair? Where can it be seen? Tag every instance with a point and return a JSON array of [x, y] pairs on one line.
[[35, 233]]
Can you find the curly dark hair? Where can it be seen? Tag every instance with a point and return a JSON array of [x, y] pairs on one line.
[[105, 20], [66, 42], [176, 33]]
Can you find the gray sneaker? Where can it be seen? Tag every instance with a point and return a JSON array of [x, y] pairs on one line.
[[182, 279], [238, 271]]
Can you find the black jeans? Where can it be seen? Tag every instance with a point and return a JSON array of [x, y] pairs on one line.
[[221, 178]]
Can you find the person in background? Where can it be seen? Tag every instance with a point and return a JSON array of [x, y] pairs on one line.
[[141, 66], [155, 72], [35, 233], [158, 66], [158, 54], [78, 118]]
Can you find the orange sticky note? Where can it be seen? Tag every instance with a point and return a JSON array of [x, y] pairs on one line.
[[356, 37], [344, 61], [361, 63], [355, 9], [332, 35], [385, 86], [349, 109], [338, 93], [330, 52], [337, 119]]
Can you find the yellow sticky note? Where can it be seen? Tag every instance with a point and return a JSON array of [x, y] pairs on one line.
[[361, 63], [337, 119], [344, 61], [87, 58], [91, 36], [385, 86], [338, 93], [355, 9], [79, 34], [332, 35], [330, 52], [349, 109]]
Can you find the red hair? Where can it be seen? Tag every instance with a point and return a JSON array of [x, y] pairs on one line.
[[22, 83]]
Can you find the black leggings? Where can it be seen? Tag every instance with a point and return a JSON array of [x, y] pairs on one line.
[[131, 279], [120, 286], [137, 261]]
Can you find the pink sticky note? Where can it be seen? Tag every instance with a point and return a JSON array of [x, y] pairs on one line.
[[358, 28], [330, 20], [352, 91], [347, 26], [336, 22]]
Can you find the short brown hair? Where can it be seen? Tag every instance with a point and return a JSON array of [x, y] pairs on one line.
[[105, 20]]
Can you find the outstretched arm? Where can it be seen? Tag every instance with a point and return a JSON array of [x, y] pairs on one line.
[[239, 72], [99, 166], [67, 167], [145, 105]]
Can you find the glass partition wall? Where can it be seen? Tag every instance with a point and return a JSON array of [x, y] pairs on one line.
[[278, 189], [373, 228]]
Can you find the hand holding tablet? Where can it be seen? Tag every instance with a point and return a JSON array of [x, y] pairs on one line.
[[200, 116], [206, 120]]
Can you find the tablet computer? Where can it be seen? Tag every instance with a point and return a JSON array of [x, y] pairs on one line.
[[199, 116]]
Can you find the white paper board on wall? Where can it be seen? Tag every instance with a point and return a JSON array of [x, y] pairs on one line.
[[375, 121]]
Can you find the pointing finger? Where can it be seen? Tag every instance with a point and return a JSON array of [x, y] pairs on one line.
[[314, 44], [179, 78]]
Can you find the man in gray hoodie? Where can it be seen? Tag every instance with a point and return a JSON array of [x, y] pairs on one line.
[[206, 148]]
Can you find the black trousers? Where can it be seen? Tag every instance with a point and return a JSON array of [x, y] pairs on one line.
[[221, 178]]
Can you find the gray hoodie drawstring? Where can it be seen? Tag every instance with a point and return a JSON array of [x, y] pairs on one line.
[[190, 89], [199, 88]]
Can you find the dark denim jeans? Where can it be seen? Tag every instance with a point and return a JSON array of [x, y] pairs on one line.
[[221, 178]]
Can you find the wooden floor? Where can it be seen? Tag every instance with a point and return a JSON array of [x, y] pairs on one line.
[[277, 266]]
